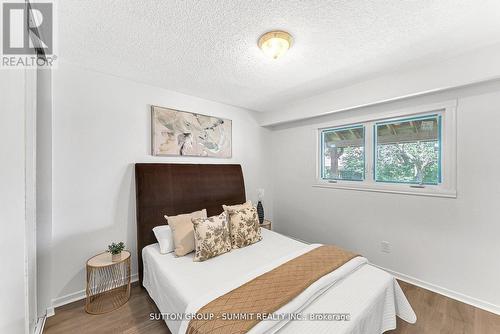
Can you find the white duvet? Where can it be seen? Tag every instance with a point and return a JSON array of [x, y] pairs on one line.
[[370, 296]]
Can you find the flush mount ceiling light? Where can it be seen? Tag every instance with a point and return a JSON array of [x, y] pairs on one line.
[[275, 44]]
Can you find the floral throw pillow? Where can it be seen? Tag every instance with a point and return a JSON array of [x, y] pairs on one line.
[[244, 227], [211, 237]]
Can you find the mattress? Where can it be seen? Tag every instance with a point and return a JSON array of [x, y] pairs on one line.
[[371, 297]]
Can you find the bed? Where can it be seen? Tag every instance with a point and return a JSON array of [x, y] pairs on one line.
[[355, 298]]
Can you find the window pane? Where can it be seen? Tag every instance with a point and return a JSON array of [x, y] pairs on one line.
[[409, 151], [343, 153]]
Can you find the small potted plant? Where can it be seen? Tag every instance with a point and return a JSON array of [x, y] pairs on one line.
[[116, 251]]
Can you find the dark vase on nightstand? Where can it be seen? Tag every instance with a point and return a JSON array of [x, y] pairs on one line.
[[260, 212]]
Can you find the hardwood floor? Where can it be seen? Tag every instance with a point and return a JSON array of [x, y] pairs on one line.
[[436, 315], [131, 318], [439, 314]]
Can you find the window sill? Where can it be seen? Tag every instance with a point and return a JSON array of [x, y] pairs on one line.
[[381, 188]]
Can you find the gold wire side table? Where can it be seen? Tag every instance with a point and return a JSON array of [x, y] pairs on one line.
[[108, 283]]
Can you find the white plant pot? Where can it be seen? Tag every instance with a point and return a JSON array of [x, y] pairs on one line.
[[116, 257]]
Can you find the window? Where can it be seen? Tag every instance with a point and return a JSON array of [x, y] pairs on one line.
[[343, 155], [410, 151]]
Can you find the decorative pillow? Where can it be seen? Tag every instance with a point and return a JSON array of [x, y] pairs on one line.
[[244, 227], [247, 204], [182, 231], [163, 234], [211, 237]]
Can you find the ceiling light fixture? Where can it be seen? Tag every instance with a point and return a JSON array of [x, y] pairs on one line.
[[275, 44]]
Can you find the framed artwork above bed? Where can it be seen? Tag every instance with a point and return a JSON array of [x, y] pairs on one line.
[[182, 133]]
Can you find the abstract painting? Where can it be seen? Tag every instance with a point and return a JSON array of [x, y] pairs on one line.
[[182, 133]]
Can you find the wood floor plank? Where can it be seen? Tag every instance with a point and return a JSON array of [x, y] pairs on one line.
[[436, 314]]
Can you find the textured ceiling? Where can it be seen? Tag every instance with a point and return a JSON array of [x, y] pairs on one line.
[[208, 48]]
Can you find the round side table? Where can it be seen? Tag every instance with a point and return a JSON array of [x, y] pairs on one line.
[[108, 283]]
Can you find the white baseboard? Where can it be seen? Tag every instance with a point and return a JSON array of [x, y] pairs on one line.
[[40, 324], [75, 296], [50, 311], [445, 292]]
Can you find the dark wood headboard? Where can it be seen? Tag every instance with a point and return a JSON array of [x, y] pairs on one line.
[[172, 189]]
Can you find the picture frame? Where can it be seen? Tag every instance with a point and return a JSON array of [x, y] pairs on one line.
[[183, 133]]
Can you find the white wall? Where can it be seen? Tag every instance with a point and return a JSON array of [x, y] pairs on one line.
[[449, 243], [12, 201], [44, 190], [101, 127]]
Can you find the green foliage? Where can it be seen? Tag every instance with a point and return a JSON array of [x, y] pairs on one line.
[[116, 248], [351, 164], [413, 162]]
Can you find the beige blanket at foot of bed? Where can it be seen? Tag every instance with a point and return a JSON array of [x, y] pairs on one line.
[[242, 308]]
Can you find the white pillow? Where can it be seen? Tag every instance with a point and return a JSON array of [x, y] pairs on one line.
[[163, 234]]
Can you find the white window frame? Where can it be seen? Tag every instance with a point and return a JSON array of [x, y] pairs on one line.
[[447, 187]]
